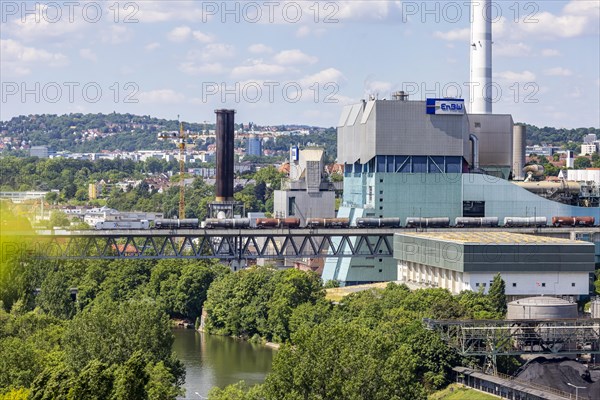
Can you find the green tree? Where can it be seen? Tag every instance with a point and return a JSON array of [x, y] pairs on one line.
[[582, 163], [497, 296], [94, 382], [54, 383], [55, 297], [19, 364], [238, 391], [81, 194], [341, 359], [60, 219], [131, 379], [162, 385], [136, 325], [291, 288]]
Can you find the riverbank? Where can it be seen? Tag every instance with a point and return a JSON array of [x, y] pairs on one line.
[[182, 323]]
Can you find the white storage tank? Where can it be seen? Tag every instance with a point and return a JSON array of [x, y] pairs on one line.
[[542, 307]]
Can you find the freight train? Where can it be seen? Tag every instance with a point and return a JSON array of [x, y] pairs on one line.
[[364, 223]]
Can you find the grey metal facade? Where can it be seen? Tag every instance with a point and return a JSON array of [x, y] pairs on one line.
[[495, 134], [304, 204], [523, 255], [394, 127]]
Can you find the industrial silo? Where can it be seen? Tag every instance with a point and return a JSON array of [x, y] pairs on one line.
[[519, 144], [541, 308]]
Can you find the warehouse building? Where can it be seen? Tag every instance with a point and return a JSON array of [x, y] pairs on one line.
[[529, 265]]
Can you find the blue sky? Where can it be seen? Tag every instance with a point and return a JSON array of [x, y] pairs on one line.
[[284, 62]]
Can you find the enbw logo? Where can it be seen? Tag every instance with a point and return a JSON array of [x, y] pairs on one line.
[[451, 107]]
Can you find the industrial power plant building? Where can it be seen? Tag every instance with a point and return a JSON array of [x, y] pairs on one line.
[[529, 265], [431, 159]]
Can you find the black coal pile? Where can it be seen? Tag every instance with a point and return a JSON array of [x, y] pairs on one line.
[[557, 373]]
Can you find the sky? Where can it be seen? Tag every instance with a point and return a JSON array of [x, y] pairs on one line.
[[292, 62]]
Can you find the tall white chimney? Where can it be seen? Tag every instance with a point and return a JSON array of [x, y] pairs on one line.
[[481, 57]]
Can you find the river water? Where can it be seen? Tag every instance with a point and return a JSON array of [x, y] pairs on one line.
[[219, 361]]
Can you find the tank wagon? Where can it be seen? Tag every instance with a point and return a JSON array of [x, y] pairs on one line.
[[378, 222], [327, 223], [361, 223], [278, 222], [438, 222], [227, 223], [187, 223], [521, 222], [473, 222], [573, 221]]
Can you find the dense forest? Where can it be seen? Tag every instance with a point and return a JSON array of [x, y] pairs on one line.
[[558, 136], [113, 341]]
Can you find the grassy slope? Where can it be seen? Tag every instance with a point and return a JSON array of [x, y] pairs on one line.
[[457, 392]]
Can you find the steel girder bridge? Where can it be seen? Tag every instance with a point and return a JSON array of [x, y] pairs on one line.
[[491, 338], [238, 244], [230, 244]]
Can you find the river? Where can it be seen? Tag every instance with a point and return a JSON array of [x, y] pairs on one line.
[[219, 361]]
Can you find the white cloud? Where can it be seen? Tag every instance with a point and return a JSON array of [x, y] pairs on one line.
[[162, 11], [161, 96], [179, 34], [463, 34], [202, 37], [152, 46], [211, 53], [584, 7], [218, 51], [557, 26], [512, 76], [43, 23], [303, 31], [295, 56], [88, 54], [558, 71], [116, 34], [512, 50], [577, 18], [259, 48], [257, 68], [361, 10], [329, 75], [550, 53], [16, 56], [182, 33], [377, 87], [193, 68]]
